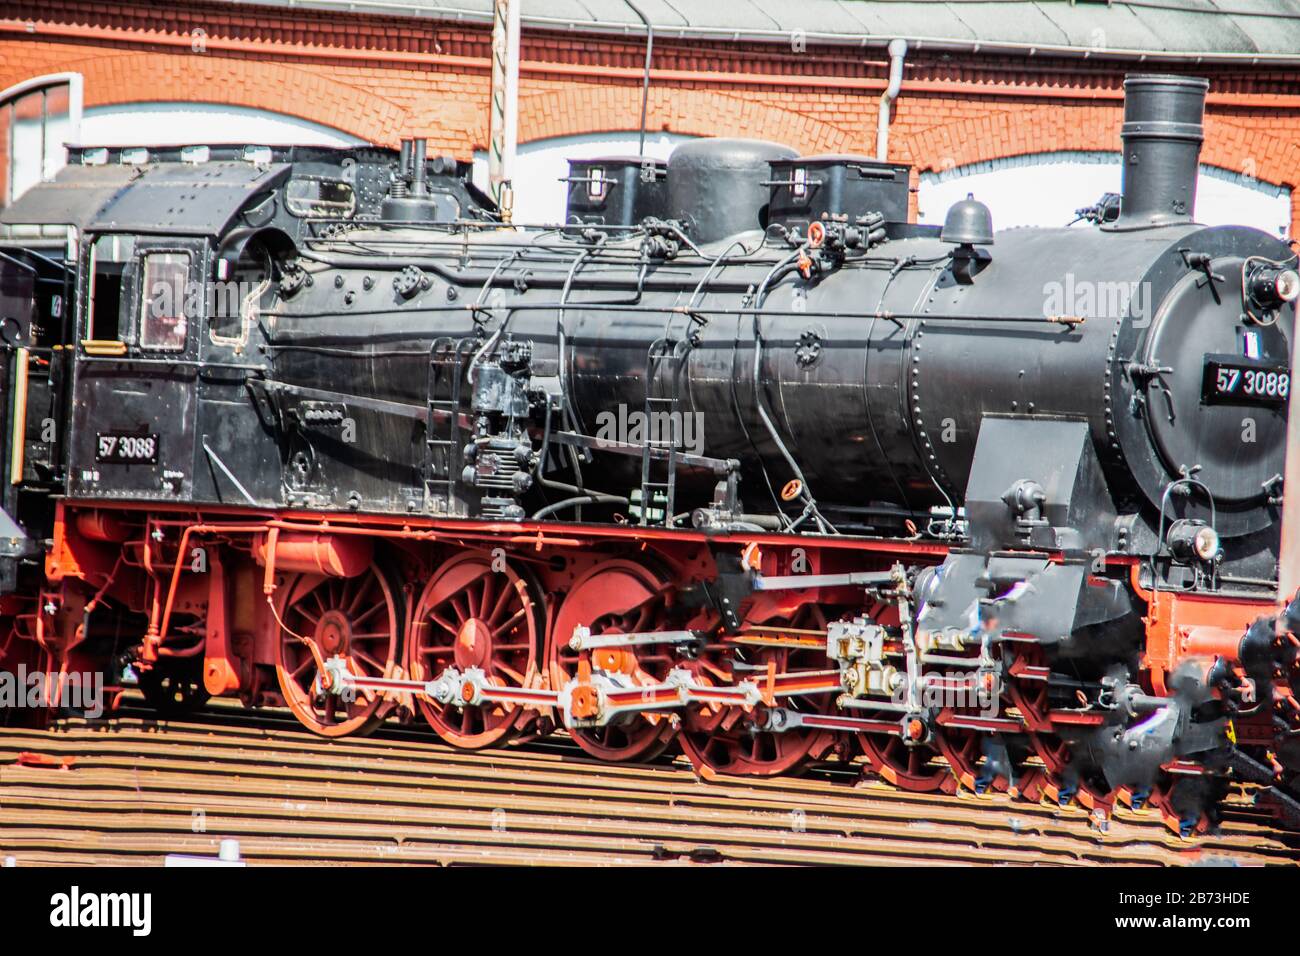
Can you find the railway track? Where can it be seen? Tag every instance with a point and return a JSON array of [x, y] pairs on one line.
[[132, 790]]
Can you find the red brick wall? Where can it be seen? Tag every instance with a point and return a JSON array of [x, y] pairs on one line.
[[382, 78]]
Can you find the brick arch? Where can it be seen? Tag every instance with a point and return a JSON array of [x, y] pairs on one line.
[[274, 87], [1009, 132], [589, 108], [1251, 150], [1047, 128], [1056, 128]]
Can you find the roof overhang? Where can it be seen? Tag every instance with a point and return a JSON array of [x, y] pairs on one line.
[[1189, 31]]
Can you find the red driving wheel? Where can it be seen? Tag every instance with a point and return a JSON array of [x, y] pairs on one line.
[[963, 748], [913, 768], [357, 619], [617, 597], [726, 740], [1059, 776], [473, 614], [1029, 695]]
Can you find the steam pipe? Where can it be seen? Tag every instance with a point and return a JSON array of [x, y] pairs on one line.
[[897, 51]]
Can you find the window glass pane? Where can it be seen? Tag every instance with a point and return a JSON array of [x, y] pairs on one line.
[[162, 301], [27, 142], [33, 129], [236, 301], [58, 129], [319, 197]]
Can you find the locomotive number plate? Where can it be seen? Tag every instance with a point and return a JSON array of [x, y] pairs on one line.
[[1234, 382], [119, 448]]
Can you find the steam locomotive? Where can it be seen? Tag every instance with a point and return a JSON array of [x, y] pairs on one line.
[[739, 459]]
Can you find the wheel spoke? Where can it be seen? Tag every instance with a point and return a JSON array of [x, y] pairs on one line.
[[446, 625], [501, 665], [363, 591], [462, 609], [361, 655], [365, 615], [303, 612], [503, 602], [511, 620]]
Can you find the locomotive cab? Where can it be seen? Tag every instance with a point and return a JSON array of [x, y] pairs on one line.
[[37, 285], [164, 330]]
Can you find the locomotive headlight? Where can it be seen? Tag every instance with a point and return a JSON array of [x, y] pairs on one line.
[[1206, 542], [1287, 285], [1273, 286], [1192, 541]]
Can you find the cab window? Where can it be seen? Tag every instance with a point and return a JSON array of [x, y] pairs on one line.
[[235, 302], [110, 259], [319, 197], [163, 319]]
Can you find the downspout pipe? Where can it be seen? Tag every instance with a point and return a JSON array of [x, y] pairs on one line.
[[897, 52], [645, 76]]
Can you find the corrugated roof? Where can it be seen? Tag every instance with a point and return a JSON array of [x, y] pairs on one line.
[[1185, 29]]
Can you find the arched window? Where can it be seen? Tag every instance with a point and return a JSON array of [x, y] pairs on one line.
[[37, 117], [182, 124], [1045, 189]]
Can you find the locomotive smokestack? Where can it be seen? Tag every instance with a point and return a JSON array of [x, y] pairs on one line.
[[1162, 136]]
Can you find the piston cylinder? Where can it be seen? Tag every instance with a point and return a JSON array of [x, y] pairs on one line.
[[333, 555]]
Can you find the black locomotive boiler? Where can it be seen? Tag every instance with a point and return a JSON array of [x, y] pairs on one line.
[[737, 459]]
